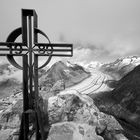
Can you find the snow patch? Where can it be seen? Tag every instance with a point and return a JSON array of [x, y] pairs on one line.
[[69, 64]]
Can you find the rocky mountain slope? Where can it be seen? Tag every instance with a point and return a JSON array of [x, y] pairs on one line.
[[59, 76], [71, 116], [62, 75], [123, 102], [9, 87], [127, 94], [10, 82], [120, 67], [5, 68]]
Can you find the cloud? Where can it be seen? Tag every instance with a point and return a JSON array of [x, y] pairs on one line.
[[17, 75], [119, 47], [109, 28], [87, 52], [123, 47]]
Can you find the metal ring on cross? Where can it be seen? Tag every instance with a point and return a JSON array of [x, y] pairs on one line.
[[14, 35]]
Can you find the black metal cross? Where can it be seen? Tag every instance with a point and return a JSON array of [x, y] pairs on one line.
[[30, 49]]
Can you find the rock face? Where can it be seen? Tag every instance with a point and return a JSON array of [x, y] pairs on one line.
[[124, 103], [71, 115], [10, 116], [71, 106], [73, 131], [126, 94], [74, 110]]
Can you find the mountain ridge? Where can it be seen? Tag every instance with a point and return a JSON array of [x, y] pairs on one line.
[[120, 67], [123, 102], [68, 75]]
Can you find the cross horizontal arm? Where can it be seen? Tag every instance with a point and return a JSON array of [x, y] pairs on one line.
[[8, 46], [53, 44], [16, 49], [53, 49], [57, 55], [5, 54], [12, 48], [11, 44]]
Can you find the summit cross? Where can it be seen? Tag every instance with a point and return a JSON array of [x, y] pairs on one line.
[[30, 49]]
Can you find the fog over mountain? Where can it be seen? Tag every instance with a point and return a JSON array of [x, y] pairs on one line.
[[100, 30]]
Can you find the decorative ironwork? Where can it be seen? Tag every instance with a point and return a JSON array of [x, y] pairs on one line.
[[30, 50]]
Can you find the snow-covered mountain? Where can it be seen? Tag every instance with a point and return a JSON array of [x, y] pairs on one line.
[[94, 64], [64, 74], [121, 66]]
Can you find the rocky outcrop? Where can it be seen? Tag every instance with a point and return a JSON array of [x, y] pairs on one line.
[[73, 109], [73, 131], [10, 116], [71, 106], [71, 115]]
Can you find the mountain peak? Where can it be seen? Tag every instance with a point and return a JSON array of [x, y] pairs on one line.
[[64, 71], [121, 66]]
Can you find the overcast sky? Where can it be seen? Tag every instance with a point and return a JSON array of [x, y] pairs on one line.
[[99, 29]]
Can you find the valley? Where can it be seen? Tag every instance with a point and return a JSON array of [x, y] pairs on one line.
[[93, 84]]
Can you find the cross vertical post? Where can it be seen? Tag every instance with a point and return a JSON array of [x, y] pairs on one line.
[[30, 50], [25, 117], [30, 57]]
